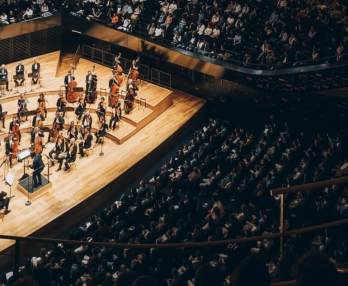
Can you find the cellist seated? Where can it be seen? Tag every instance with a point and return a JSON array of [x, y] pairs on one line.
[[14, 128]]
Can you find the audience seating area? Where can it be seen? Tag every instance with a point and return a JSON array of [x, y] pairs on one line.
[[17, 11], [215, 187], [266, 34]]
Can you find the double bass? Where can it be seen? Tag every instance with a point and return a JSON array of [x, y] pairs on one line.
[[115, 84], [72, 96], [133, 73]]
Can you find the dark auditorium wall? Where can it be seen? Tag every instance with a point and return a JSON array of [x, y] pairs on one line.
[[30, 39]]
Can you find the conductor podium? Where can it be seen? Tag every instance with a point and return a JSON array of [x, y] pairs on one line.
[[26, 186], [26, 182]]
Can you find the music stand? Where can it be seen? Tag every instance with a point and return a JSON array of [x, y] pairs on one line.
[[9, 180], [22, 156], [101, 153]]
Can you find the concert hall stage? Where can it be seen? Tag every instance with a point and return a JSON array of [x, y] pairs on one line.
[[139, 134]]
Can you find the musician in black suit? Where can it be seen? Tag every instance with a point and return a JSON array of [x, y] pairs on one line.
[[2, 116], [4, 76], [59, 148], [37, 119], [101, 133], [8, 148], [67, 79], [4, 202], [35, 71], [86, 142], [61, 104], [19, 80], [38, 166], [87, 120], [89, 80], [71, 155], [101, 109], [22, 107], [116, 115], [80, 109], [73, 131]]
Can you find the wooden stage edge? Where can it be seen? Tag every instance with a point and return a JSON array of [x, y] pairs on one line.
[[92, 183]]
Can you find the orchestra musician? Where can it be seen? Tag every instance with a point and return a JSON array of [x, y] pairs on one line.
[[58, 150], [116, 115], [14, 128], [91, 86], [86, 142], [57, 126], [87, 120], [117, 63], [114, 85], [4, 76], [35, 71], [22, 107], [68, 79], [133, 73], [135, 63], [38, 141], [61, 104], [42, 105], [9, 146], [70, 157], [89, 80], [2, 116], [103, 127], [33, 134], [38, 167], [38, 119], [19, 79], [73, 131], [101, 109], [130, 96], [4, 202], [81, 107]]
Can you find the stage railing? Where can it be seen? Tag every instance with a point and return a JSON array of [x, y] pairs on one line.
[[146, 72]]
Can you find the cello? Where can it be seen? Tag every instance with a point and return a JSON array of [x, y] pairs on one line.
[[72, 95], [38, 144], [14, 146], [114, 95]]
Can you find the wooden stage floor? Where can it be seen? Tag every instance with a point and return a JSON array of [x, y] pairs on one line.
[[138, 135]]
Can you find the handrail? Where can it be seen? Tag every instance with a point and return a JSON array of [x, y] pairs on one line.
[[180, 244], [309, 186]]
